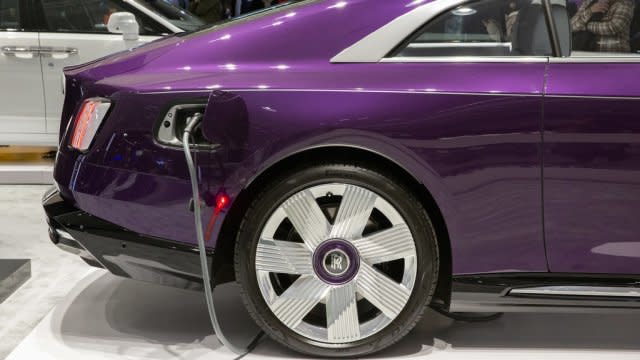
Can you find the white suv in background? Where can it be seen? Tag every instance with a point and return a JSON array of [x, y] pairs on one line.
[[40, 37]]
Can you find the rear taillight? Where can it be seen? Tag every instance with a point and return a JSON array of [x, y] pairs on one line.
[[87, 122]]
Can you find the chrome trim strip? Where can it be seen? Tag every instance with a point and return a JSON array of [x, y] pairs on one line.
[[454, 44], [560, 96], [623, 59], [49, 50], [468, 59], [416, 92], [608, 291], [375, 46]]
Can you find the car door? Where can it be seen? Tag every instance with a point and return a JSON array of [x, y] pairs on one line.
[[592, 156], [75, 32], [21, 99], [482, 82]]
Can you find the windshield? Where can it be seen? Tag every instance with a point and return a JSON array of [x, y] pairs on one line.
[[178, 17]]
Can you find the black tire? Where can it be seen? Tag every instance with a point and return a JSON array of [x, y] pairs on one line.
[[385, 185]]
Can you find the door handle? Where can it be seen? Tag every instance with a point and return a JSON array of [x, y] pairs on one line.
[[58, 53], [21, 52]]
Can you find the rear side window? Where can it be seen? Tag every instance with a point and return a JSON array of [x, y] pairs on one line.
[[9, 15], [90, 16], [483, 28]]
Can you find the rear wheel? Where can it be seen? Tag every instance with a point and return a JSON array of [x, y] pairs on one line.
[[336, 260]]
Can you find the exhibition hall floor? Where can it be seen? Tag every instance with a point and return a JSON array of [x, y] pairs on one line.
[[69, 311], [105, 317]]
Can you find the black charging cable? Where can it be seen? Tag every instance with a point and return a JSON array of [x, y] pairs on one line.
[[192, 123]]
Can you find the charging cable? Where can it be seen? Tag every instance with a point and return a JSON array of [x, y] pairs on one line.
[[192, 124]]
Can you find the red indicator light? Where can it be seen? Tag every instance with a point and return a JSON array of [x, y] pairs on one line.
[[222, 200]]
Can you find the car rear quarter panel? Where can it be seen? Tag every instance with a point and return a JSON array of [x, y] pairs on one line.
[[469, 132], [476, 151]]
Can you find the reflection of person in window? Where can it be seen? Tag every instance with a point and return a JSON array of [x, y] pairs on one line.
[[493, 29], [510, 17], [208, 10], [107, 15], [612, 31]]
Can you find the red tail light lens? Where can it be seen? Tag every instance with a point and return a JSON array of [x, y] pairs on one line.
[[87, 122]]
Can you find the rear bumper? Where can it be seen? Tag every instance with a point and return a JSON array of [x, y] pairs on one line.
[[121, 251]]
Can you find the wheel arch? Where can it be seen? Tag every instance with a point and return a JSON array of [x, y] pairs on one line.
[[225, 246]]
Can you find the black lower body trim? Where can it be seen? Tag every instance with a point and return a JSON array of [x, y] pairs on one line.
[[121, 251], [492, 293]]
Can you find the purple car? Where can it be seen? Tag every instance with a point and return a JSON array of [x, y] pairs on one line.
[[362, 160]]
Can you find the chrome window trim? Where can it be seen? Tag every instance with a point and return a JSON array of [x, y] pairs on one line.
[[437, 45], [622, 59], [375, 46], [467, 59]]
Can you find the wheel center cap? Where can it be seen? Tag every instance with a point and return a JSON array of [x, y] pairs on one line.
[[336, 261]]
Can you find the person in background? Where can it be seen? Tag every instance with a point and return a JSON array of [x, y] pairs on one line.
[[251, 5], [510, 18], [494, 27], [247, 6], [228, 9], [182, 4], [572, 7], [210, 11], [612, 31]]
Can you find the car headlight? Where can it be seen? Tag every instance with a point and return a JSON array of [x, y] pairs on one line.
[[87, 122]]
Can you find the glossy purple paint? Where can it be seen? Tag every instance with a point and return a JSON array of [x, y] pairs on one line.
[[471, 133], [592, 164]]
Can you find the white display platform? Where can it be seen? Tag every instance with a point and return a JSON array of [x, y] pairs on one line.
[[26, 174], [105, 317]]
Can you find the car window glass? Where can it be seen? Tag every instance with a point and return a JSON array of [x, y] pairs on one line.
[[484, 28], [9, 15], [604, 27], [177, 16], [90, 16]]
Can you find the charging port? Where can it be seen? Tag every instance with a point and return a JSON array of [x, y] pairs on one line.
[[171, 127]]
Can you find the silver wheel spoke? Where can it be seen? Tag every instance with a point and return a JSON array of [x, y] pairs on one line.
[[307, 218], [387, 245], [342, 314], [354, 212], [384, 293], [334, 263], [296, 302], [283, 257]]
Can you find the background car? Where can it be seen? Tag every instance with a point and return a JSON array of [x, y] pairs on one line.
[[455, 154], [40, 37]]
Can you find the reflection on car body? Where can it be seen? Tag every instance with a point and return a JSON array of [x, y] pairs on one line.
[[411, 154]]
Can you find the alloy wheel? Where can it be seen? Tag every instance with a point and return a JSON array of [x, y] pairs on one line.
[[336, 263]]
